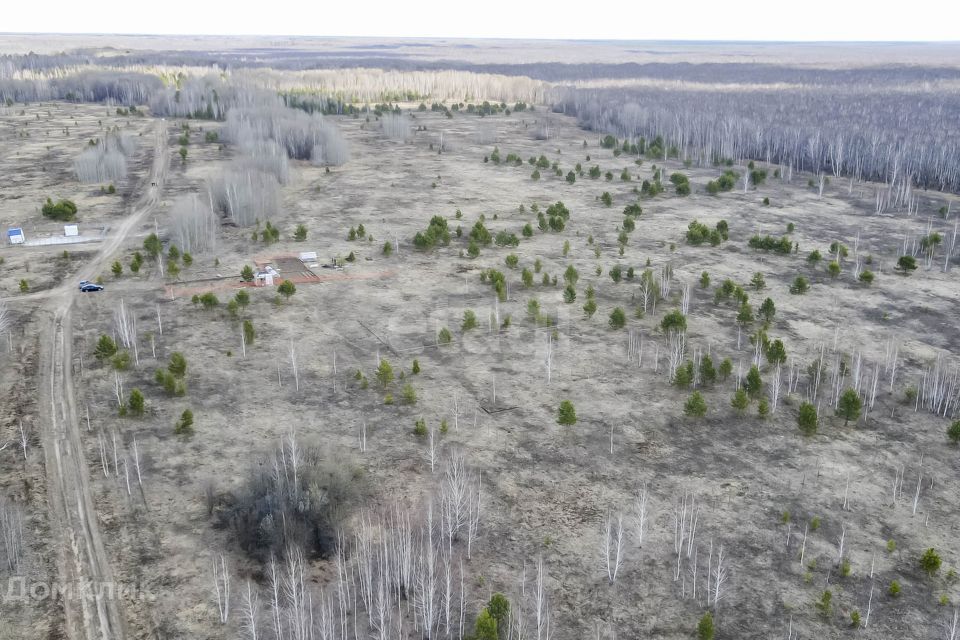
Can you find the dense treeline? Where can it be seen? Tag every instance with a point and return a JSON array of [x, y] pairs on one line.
[[844, 122], [85, 86], [304, 136], [370, 59], [843, 132]]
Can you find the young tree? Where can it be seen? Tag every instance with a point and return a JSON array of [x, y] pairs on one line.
[[526, 276], [116, 268], [569, 294], [799, 286], [763, 408], [705, 627], [444, 336], [121, 361], [246, 274], [469, 321], [776, 352], [930, 562], [590, 307], [106, 348], [485, 628], [136, 403], [300, 233], [695, 406], [152, 245], [499, 608], [704, 280], [758, 281], [849, 406], [708, 374], [754, 383], [674, 321], [768, 310], [833, 269], [726, 368], [683, 376], [618, 318], [242, 298], [286, 289], [566, 415], [249, 334], [209, 300], [906, 264], [384, 373], [184, 426], [178, 365], [807, 419], [740, 401], [953, 432]]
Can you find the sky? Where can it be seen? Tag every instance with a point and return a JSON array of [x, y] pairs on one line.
[[809, 20]]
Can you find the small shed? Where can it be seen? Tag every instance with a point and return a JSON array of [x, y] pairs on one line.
[[266, 277], [15, 235], [308, 256], [71, 230]]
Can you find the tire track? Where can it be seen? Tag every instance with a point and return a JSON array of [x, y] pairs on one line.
[[92, 606]]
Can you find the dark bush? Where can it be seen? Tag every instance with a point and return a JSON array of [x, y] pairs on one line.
[[61, 210], [277, 508]]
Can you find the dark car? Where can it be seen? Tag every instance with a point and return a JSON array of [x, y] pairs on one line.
[[87, 287]]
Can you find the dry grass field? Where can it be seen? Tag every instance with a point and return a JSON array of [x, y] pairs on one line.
[[860, 501]]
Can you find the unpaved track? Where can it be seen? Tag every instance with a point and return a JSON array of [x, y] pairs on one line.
[[95, 614]]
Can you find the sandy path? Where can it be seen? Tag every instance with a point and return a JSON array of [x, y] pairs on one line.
[[97, 612]]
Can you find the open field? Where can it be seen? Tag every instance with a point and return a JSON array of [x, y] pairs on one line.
[[547, 489]]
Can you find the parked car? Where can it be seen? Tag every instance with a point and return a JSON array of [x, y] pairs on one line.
[[87, 287]]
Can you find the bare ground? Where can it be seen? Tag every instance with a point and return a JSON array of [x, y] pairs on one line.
[[549, 487]]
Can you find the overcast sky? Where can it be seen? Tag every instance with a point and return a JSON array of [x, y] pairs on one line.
[[611, 19]]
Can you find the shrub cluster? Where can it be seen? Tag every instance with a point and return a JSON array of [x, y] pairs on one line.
[[435, 233]]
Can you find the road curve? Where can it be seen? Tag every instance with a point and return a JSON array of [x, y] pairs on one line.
[[93, 608]]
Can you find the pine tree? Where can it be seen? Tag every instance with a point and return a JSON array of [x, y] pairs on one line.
[[754, 383], [695, 406], [807, 419], [566, 415], [849, 406], [740, 401], [705, 627]]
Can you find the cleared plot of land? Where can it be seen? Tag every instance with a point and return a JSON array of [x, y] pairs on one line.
[[547, 489], [38, 146]]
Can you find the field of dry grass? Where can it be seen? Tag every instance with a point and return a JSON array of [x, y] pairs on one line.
[[757, 483]]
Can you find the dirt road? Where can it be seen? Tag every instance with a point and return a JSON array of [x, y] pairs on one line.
[[97, 611]]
